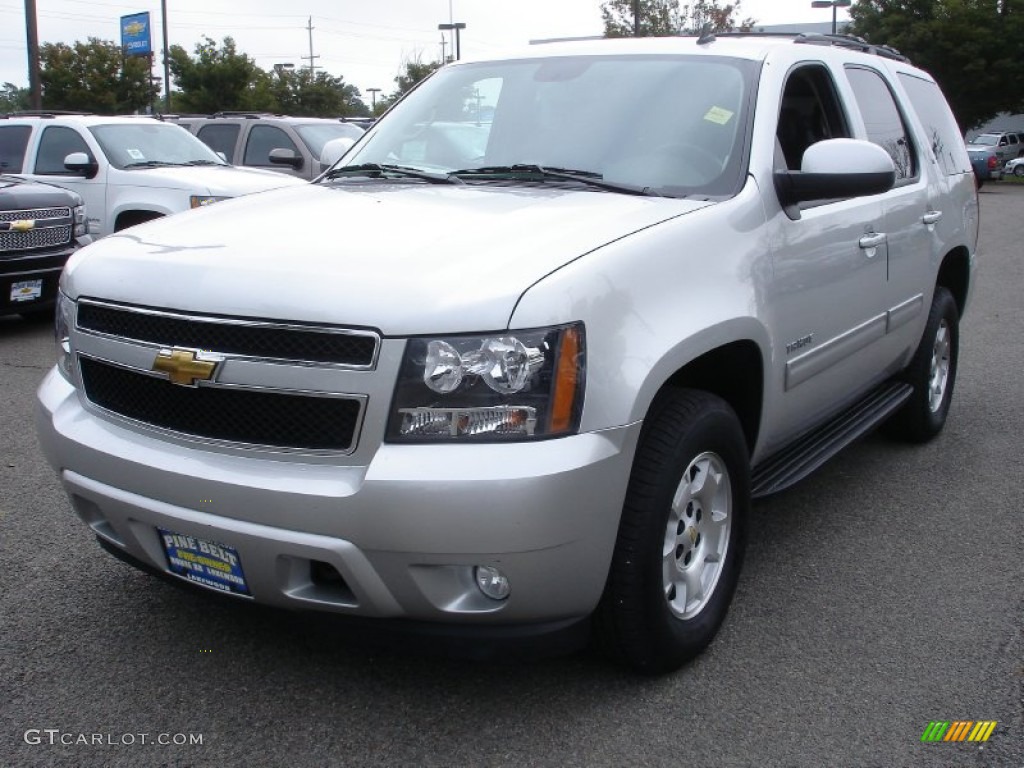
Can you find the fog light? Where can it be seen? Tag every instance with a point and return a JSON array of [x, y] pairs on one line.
[[492, 582]]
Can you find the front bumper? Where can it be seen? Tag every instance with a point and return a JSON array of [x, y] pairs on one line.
[[403, 532], [28, 267]]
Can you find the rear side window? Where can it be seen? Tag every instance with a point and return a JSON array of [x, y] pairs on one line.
[[883, 120], [262, 139], [13, 140], [57, 143], [220, 138], [940, 126]]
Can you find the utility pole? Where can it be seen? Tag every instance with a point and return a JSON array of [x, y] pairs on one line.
[[373, 97], [636, 18], [457, 26], [167, 60], [35, 87], [444, 43], [311, 57]]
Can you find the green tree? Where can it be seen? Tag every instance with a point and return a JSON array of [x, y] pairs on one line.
[[415, 72], [219, 79], [94, 76], [296, 93], [13, 98], [664, 18], [973, 48]]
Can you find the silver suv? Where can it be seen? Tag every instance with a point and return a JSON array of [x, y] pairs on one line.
[[274, 142], [520, 361]]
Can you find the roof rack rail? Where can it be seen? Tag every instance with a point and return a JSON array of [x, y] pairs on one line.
[[250, 113], [45, 113], [841, 41]]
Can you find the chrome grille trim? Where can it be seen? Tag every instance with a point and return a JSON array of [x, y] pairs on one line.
[[39, 214], [269, 325]]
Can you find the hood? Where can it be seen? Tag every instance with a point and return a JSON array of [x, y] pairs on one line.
[[404, 258], [16, 194], [220, 180]]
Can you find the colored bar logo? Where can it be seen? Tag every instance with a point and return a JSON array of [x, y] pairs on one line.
[[958, 730]]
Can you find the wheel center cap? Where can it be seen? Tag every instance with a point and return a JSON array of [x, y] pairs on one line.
[[692, 533]]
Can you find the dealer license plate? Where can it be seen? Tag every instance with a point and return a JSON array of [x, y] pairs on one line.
[[208, 563], [26, 290]]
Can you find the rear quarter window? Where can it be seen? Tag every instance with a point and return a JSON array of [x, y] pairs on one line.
[[940, 127]]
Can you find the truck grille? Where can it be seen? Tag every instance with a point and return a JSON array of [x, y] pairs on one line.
[[258, 339], [277, 419], [53, 228]]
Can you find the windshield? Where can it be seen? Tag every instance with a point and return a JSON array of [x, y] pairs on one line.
[[986, 140], [315, 135], [671, 124], [139, 145]]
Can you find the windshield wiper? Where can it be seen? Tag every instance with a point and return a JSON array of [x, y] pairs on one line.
[[530, 171], [383, 171], [148, 164], [200, 162]]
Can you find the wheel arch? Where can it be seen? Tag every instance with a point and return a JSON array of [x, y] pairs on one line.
[[133, 216], [734, 371], [955, 276]]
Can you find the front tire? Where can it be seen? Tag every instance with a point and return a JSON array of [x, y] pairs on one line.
[[680, 543], [932, 374]]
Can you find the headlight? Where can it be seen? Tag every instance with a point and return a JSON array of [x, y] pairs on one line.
[[513, 385], [64, 320], [81, 226], [199, 201]]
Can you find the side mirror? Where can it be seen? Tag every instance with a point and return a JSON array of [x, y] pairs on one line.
[[334, 150], [81, 163], [835, 169], [282, 156]]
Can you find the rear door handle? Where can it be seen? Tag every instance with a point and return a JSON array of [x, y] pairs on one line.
[[931, 217], [872, 240]]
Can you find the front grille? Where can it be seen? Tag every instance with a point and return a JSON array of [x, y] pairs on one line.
[[36, 214], [232, 336], [48, 237], [273, 419]]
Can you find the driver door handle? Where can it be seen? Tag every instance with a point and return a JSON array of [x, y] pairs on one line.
[[872, 240], [931, 217]]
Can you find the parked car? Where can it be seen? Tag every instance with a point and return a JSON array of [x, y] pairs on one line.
[[529, 383], [40, 227], [1007, 145], [274, 142], [126, 169], [985, 162], [1015, 167]]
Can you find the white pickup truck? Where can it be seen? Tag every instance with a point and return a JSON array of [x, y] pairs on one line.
[[126, 169]]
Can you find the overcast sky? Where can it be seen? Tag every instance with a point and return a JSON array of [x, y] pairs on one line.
[[364, 42]]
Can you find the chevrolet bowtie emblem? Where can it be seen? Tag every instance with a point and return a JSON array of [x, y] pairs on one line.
[[183, 366], [20, 225]]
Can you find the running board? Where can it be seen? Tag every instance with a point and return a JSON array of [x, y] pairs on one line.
[[814, 448]]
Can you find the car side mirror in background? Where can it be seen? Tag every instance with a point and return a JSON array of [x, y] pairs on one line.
[[283, 156], [835, 169], [81, 163], [334, 150]]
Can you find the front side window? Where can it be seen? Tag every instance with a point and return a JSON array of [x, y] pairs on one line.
[[668, 124], [142, 145], [13, 141], [57, 143], [810, 112], [882, 119], [262, 139]]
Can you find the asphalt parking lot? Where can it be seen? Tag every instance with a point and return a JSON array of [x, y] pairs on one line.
[[881, 594]]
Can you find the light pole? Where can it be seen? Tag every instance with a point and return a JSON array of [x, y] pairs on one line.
[[833, 4], [456, 25], [373, 98]]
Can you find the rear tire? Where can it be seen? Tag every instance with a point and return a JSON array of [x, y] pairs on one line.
[[680, 543], [932, 374]]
